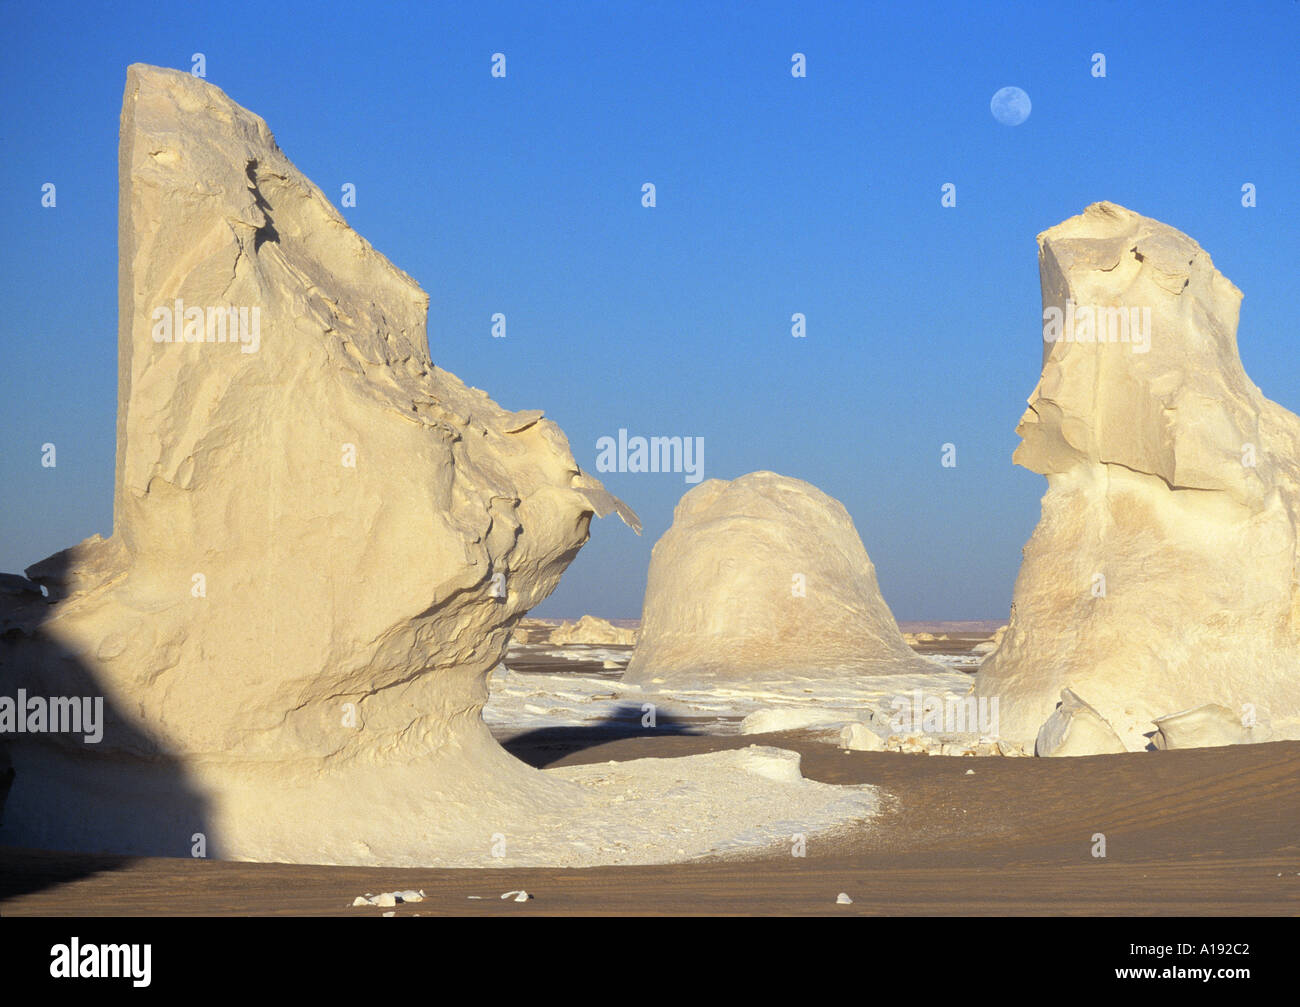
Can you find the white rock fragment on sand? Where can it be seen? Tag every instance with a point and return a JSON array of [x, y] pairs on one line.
[[911, 744], [787, 718], [860, 738], [1162, 575], [761, 578], [1075, 728], [842, 899], [393, 913], [389, 898], [516, 896], [1207, 726], [773, 764]]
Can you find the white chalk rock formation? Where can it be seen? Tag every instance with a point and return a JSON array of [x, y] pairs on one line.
[[1207, 726], [321, 540], [857, 737], [1164, 572], [1075, 728], [788, 718], [591, 630], [990, 645], [760, 579]]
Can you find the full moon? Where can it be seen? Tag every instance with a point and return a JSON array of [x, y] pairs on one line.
[[1010, 106]]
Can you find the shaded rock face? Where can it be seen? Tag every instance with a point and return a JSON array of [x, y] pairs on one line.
[[321, 540], [759, 579], [1163, 574]]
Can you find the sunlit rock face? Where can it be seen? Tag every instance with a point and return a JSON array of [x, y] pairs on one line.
[[1163, 573], [321, 540], [764, 578]]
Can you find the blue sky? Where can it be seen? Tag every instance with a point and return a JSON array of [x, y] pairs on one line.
[[775, 195]]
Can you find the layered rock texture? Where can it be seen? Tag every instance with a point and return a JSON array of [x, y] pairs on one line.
[[1163, 574], [764, 578], [321, 541]]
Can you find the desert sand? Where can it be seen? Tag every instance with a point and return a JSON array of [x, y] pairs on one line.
[[1013, 839]]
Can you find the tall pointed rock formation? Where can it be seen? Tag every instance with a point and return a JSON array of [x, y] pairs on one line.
[[1164, 573], [321, 540]]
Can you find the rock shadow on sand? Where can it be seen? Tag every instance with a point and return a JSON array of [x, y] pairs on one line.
[[122, 794], [546, 746]]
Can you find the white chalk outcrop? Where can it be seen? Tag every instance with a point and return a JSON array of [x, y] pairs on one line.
[[592, 630], [321, 540], [764, 578], [1163, 574], [857, 737], [992, 644], [788, 718], [1075, 728], [1208, 726]]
